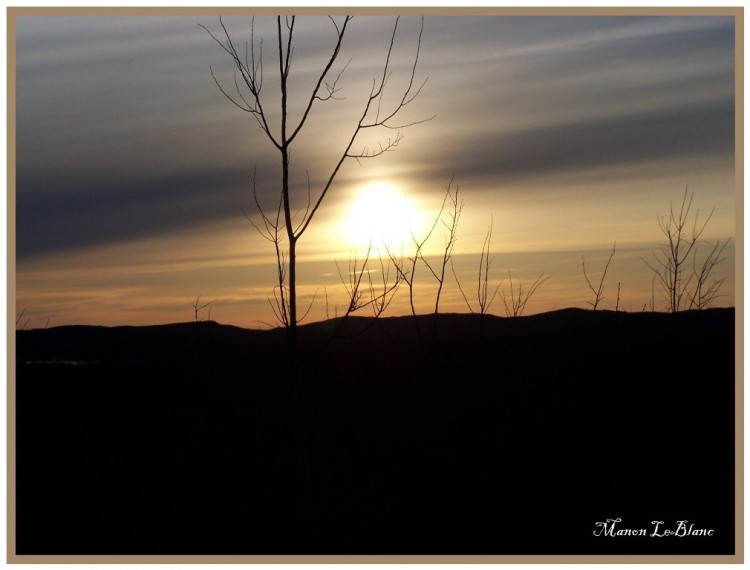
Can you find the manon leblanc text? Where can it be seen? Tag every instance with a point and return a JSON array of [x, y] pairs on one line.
[[657, 529]]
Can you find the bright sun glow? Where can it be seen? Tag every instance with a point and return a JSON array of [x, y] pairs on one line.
[[381, 216]]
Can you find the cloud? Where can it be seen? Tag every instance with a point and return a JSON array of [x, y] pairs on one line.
[[82, 216], [703, 130], [122, 133]]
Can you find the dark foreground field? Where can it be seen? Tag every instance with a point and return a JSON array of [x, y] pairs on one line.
[[490, 436]]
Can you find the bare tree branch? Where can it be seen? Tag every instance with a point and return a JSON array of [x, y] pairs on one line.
[[515, 303], [391, 144], [484, 300], [197, 307], [685, 290], [598, 291]]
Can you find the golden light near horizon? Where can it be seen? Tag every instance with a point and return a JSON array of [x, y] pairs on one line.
[[381, 216]]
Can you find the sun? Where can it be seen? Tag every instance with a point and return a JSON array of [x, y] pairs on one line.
[[382, 217]]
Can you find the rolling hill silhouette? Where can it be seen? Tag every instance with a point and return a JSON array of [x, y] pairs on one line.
[[485, 435]]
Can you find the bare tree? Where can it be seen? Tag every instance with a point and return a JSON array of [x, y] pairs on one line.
[[706, 286], [617, 303], [407, 267], [451, 227], [515, 302], [376, 113], [362, 291], [599, 291], [683, 288], [652, 305], [18, 320], [382, 293], [197, 308], [484, 299], [365, 287]]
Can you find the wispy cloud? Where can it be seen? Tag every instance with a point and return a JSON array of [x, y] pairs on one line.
[[123, 139]]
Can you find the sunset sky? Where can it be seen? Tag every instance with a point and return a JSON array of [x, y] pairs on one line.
[[567, 133]]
